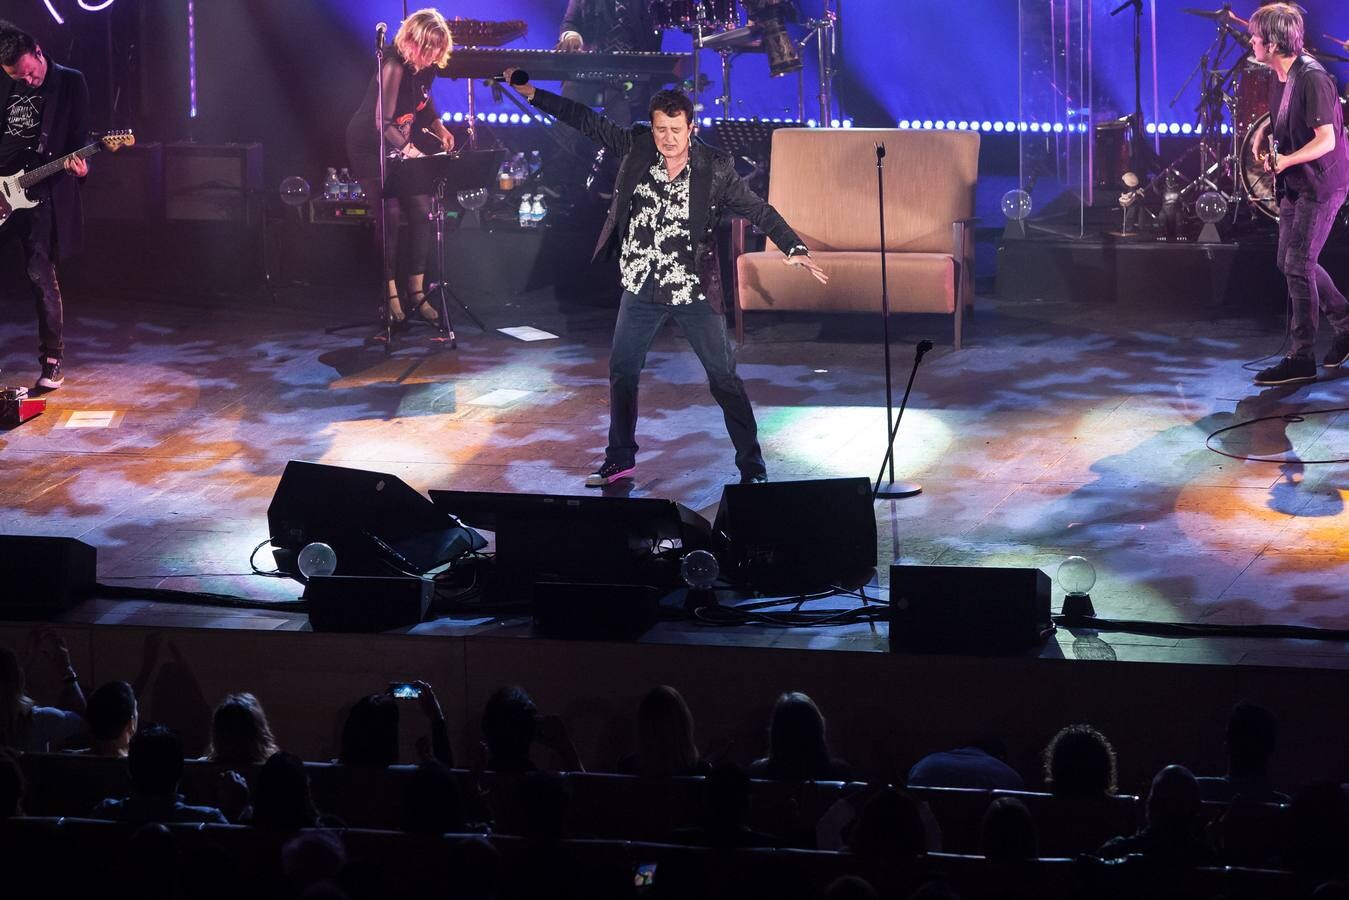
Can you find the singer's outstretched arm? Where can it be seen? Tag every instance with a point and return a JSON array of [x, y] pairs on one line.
[[579, 116]]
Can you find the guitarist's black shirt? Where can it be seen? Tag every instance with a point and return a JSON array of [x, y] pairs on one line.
[[1315, 102], [22, 124]]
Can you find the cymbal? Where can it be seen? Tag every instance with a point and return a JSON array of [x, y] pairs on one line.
[[1218, 15], [1326, 56]]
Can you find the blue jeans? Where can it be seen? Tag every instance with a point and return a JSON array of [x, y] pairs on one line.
[[1304, 225], [639, 320]]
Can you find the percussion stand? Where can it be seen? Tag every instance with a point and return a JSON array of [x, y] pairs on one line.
[[697, 66], [823, 32], [726, 54]]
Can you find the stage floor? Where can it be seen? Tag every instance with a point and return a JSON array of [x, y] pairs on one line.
[[1061, 428]]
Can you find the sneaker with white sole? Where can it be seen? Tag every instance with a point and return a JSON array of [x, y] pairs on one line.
[[609, 473], [51, 377], [1338, 353]]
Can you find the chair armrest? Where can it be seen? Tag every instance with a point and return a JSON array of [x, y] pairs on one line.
[[739, 232]]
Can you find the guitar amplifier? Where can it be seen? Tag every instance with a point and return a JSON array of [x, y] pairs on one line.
[[213, 183], [126, 186]]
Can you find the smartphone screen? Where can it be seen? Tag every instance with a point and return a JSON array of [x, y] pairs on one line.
[[403, 690]]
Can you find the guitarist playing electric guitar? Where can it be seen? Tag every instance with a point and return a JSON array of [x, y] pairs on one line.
[[43, 117], [1311, 169]]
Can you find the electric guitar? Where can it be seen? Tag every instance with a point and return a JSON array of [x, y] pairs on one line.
[[14, 188]]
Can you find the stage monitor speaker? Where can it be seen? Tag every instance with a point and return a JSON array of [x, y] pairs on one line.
[[213, 183], [376, 524], [596, 540], [968, 609], [620, 612], [367, 604], [797, 536], [43, 576]]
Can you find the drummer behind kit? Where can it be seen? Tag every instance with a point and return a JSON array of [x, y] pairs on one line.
[[1241, 174]]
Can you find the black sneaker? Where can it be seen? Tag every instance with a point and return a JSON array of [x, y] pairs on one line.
[[609, 473], [51, 377], [1289, 370], [755, 478], [1338, 352]]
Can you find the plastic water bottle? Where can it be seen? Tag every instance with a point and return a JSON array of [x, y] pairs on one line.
[[519, 168], [331, 187], [526, 212], [345, 181], [537, 212], [535, 162]]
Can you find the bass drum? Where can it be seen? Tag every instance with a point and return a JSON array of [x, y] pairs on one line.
[[1259, 184], [712, 15]]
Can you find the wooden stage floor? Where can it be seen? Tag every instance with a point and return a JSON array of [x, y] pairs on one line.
[[1061, 428]]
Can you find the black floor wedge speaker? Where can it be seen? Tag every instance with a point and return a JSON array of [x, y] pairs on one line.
[[797, 536], [968, 609]]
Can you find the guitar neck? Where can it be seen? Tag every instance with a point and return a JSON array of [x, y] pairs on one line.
[[49, 169]]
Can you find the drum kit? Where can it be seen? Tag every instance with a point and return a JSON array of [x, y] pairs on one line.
[[1235, 88], [719, 25]]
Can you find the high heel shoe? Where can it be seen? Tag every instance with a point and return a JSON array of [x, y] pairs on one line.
[[394, 309], [426, 309]]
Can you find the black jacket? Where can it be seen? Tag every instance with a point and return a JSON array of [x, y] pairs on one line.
[[65, 128], [715, 189]]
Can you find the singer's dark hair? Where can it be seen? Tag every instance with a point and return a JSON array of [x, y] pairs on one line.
[[672, 103], [14, 43]]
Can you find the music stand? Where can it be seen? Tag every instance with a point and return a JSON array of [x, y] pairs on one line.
[[435, 175], [752, 140]]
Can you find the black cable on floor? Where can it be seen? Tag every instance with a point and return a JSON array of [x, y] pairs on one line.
[[195, 598], [1290, 418], [1192, 630]]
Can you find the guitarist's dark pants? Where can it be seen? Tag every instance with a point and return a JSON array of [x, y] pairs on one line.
[[33, 229], [1304, 226]]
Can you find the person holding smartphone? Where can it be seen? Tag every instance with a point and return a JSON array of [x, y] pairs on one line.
[[370, 733]]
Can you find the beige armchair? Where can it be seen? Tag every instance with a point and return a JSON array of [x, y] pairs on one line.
[[823, 181]]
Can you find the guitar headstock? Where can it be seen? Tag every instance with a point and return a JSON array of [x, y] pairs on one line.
[[116, 140]]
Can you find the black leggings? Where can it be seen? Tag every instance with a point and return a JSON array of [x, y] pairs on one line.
[[416, 214]]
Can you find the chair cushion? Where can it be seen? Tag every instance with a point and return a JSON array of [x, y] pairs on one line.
[[919, 282]]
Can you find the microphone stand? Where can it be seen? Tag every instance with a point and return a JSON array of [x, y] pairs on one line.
[[383, 191], [385, 320], [895, 489], [1140, 159], [909, 488]]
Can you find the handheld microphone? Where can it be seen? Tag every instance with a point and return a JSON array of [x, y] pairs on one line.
[[380, 30], [518, 77]]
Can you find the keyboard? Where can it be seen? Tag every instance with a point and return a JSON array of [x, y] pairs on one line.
[[557, 65]]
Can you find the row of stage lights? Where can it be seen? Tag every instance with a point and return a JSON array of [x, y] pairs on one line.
[[1037, 127], [904, 124], [708, 121]]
